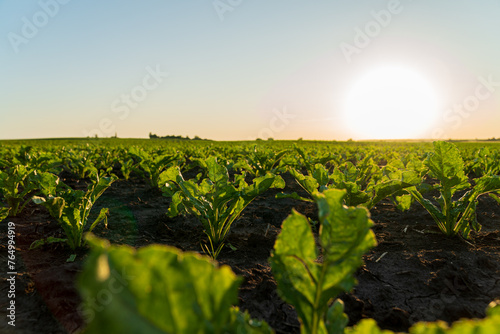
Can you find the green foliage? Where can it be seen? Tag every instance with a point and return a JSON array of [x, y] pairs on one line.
[[453, 216], [215, 201], [495, 197], [15, 187], [260, 162], [159, 289], [397, 177], [71, 208], [151, 164], [360, 189], [308, 159], [368, 172], [49, 240], [127, 167], [4, 213], [410, 169], [310, 282], [485, 162], [19, 183], [44, 161], [490, 324], [366, 326], [354, 180], [317, 180], [79, 163]]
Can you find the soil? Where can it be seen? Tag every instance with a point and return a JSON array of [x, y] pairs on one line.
[[414, 274]]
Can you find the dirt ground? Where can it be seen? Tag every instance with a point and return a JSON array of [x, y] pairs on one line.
[[415, 273]]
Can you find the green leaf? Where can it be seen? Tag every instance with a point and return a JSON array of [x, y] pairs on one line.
[[350, 172], [46, 183], [73, 226], [241, 323], [294, 195], [217, 173], [103, 215], [436, 214], [158, 289], [354, 196], [369, 326], [4, 213], [54, 205], [336, 319], [320, 174], [344, 231], [261, 184], [403, 202], [305, 181], [50, 240], [446, 165], [100, 186], [176, 206], [394, 181], [168, 180], [495, 197], [304, 281], [293, 265], [242, 164], [487, 184], [493, 308]]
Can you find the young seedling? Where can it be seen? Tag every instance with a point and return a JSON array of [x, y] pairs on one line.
[[71, 208], [453, 216], [310, 282], [215, 201]]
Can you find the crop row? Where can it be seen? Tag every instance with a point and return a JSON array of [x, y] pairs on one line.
[[218, 188]]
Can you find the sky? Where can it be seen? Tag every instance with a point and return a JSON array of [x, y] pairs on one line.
[[241, 69]]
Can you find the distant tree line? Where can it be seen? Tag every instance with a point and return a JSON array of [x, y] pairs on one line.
[[154, 136]]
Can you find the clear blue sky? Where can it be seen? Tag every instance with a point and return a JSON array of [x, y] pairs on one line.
[[237, 69]]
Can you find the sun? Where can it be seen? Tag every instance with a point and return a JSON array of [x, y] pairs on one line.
[[390, 102]]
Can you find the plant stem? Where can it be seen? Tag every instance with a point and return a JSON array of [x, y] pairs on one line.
[[316, 314]]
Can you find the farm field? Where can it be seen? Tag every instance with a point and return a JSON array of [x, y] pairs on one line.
[[435, 258]]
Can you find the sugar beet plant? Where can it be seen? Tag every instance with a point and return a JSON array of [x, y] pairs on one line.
[[14, 188], [310, 282], [454, 216], [19, 183], [72, 207], [215, 201]]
